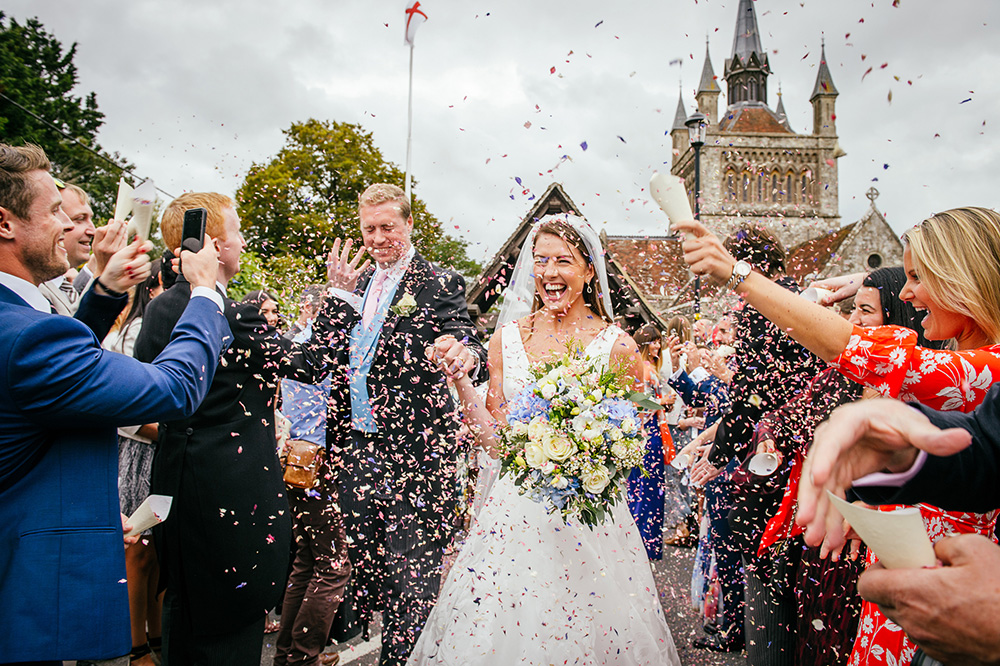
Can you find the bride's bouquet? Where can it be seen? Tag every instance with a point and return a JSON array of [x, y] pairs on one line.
[[572, 438]]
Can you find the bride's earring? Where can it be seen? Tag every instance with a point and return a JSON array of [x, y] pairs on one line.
[[589, 289]]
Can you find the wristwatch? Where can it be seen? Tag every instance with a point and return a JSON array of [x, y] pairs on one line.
[[740, 272]]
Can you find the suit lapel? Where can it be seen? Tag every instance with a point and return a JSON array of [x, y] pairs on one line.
[[413, 282]]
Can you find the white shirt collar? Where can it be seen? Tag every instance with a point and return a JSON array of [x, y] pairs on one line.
[[396, 270], [27, 291], [221, 287]]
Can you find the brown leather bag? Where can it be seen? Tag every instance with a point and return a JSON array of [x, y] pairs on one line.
[[302, 464]]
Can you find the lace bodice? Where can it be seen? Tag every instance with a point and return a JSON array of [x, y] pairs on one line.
[[517, 368]]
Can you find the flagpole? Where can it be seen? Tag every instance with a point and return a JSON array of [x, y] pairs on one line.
[[409, 128]]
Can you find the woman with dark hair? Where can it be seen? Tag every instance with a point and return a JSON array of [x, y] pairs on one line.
[[268, 305], [646, 493], [136, 446]]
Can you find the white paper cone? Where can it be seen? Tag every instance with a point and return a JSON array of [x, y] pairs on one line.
[[143, 199], [669, 192], [763, 464], [897, 538], [682, 461], [153, 511], [815, 293], [123, 206]]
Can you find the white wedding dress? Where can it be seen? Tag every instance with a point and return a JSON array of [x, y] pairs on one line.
[[527, 589]]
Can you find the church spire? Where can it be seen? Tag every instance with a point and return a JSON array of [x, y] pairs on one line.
[[680, 116], [746, 40], [707, 97], [824, 81], [747, 68]]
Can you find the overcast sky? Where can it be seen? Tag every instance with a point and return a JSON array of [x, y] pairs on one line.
[[195, 92]]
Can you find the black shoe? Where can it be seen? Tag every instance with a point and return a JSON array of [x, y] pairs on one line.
[[711, 628], [718, 644]]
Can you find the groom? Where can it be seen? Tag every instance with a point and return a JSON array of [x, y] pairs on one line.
[[394, 424]]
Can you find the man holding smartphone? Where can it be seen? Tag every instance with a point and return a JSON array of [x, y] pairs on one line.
[[224, 552], [62, 566]]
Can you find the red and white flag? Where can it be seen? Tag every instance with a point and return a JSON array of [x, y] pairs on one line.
[[414, 17]]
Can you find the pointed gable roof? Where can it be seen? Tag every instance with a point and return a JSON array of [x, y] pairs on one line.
[[824, 81], [781, 114], [708, 81]]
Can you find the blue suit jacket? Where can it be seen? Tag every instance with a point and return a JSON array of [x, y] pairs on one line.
[[62, 564]]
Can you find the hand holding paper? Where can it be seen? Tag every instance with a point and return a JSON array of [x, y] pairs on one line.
[[143, 198], [123, 205], [153, 511], [898, 538]]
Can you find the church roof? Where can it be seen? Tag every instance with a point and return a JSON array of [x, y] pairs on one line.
[[812, 257], [680, 117], [781, 114], [749, 118], [655, 263], [708, 80], [824, 81], [746, 40]]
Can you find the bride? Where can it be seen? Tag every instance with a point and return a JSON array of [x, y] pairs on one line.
[[526, 588]]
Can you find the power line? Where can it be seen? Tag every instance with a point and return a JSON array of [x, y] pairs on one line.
[[81, 144]]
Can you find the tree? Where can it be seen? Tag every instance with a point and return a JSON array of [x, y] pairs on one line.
[[39, 75], [296, 204]]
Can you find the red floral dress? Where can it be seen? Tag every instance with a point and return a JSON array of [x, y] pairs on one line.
[[887, 359]]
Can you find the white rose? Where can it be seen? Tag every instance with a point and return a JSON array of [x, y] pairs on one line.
[[596, 479], [629, 425], [559, 482], [548, 467], [537, 429], [534, 456], [619, 450], [614, 433], [597, 395], [519, 428], [574, 395], [558, 448]]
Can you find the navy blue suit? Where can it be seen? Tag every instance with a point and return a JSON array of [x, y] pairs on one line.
[[62, 562]]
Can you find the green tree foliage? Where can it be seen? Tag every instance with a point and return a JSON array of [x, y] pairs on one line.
[[37, 73], [294, 206]]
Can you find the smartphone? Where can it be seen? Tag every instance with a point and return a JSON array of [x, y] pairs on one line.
[[193, 237]]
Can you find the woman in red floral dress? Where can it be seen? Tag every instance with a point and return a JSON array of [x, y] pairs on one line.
[[952, 263]]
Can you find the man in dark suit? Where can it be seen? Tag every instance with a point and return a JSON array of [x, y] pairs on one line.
[[223, 558], [397, 471], [894, 453], [62, 565]]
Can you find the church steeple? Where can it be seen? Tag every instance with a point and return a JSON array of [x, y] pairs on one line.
[[824, 98], [679, 131], [747, 68], [780, 111], [708, 90]]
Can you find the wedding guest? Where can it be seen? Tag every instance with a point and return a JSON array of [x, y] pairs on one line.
[[224, 552], [646, 493], [268, 305], [59, 291], [61, 560], [951, 274]]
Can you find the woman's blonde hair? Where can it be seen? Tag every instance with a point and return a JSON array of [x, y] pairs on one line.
[[957, 257]]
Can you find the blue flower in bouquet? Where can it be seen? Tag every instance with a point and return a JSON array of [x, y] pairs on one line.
[[617, 409], [526, 406]]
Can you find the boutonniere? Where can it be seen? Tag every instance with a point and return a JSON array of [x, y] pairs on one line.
[[406, 305]]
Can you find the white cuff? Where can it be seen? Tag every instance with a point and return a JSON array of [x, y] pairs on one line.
[[893, 480], [210, 294], [356, 301]]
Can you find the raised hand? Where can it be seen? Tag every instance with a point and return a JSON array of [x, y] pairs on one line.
[[108, 240], [342, 272], [704, 253], [842, 286], [127, 267]]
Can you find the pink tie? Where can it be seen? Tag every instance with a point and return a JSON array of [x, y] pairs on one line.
[[374, 296]]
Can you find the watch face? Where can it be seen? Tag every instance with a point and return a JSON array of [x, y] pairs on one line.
[[742, 269]]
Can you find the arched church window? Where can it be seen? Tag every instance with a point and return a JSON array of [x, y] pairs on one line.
[[745, 188], [731, 185], [790, 188], [752, 93], [805, 189], [760, 188], [775, 192]]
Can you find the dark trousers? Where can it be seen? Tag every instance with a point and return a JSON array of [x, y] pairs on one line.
[[320, 572], [770, 611], [182, 647], [728, 563], [397, 568]]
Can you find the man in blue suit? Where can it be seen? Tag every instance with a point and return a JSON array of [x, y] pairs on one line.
[[62, 563]]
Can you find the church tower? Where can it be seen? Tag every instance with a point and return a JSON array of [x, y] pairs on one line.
[[753, 165]]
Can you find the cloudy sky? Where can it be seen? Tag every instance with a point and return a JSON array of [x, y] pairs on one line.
[[195, 92]]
